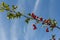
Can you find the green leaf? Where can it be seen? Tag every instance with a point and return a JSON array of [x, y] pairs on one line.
[[14, 7], [7, 8], [4, 4], [1, 6], [52, 22], [1, 10], [27, 20], [11, 16], [18, 15], [29, 14], [8, 17], [55, 22]]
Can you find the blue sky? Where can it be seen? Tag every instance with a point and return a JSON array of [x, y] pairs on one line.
[[17, 29]]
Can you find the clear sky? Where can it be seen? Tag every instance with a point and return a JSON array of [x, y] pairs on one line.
[[17, 29]]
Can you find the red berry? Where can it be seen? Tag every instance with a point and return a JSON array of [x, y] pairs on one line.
[[37, 17], [34, 16], [34, 27], [41, 19], [47, 30]]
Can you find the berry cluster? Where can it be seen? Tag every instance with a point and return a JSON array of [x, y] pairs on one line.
[[49, 22]]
